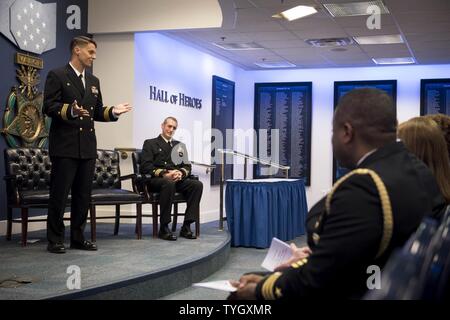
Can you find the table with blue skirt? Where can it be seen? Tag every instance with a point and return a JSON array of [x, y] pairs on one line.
[[258, 210]]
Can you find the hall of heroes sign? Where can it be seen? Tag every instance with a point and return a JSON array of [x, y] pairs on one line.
[[180, 98]]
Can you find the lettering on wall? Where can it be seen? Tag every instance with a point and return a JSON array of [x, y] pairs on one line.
[[180, 99]]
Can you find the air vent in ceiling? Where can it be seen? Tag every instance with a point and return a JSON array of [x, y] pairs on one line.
[[329, 42]]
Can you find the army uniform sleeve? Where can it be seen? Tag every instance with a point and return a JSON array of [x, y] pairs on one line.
[[148, 158], [103, 113], [347, 243], [53, 104]]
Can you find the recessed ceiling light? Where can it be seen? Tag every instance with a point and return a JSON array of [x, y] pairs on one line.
[[387, 39], [296, 13], [238, 46], [278, 64], [354, 8], [405, 60]]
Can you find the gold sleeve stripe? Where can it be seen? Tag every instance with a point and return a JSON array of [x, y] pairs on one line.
[[268, 286], [158, 172], [385, 204], [64, 110], [106, 113]]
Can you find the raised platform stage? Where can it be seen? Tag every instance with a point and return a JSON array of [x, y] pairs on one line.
[[122, 268]]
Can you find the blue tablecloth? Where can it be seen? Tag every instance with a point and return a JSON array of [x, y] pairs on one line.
[[258, 210]]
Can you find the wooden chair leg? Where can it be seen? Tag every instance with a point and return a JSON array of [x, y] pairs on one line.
[[175, 217], [9, 223], [117, 222], [155, 219], [139, 220], [93, 224], [24, 226]]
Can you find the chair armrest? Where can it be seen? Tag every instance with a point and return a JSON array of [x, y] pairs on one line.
[[9, 177], [142, 178], [127, 177]]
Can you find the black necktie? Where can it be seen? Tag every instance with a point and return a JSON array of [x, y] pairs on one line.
[[81, 82], [169, 143]]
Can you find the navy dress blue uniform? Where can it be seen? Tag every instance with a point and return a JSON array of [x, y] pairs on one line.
[[158, 157], [72, 147], [367, 214]]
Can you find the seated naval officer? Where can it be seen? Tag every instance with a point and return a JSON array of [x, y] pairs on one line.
[[167, 161], [365, 216]]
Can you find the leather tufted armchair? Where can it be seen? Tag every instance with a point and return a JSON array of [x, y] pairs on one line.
[[27, 177], [107, 190], [140, 186]]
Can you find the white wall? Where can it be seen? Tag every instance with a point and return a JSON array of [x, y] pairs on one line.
[[408, 105], [176, 68]]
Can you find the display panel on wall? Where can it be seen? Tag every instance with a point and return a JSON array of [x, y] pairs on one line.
[[434, 96], [343, 87], [222, 119], [286, 107]]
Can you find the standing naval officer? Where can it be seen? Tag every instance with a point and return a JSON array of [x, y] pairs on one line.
[[73, 100], [167, 161], [365, 216]]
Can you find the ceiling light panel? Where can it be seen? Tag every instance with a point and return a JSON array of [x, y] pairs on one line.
[[354, 8]]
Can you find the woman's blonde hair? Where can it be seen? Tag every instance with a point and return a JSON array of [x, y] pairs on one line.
[[443, 121], [423, 137]]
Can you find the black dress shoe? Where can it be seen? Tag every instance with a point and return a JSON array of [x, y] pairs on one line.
[[165, 234], [85, 245], [186, 232], [56, 247]]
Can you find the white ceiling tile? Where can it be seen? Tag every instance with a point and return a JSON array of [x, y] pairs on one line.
[[271, 36], [282, 44], [364, 31], [425, 28], [397, 6], [361, 21]]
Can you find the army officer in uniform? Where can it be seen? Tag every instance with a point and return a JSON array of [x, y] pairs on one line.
[[167, 162], [73, 100]]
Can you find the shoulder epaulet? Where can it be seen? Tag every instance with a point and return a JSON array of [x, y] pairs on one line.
[[385, 204]]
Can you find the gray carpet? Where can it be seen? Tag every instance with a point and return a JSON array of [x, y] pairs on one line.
[[241, 260], [119, 257]]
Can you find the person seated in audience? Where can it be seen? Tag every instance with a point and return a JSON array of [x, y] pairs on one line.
[[423, 137], [368, 213], [443, 121]]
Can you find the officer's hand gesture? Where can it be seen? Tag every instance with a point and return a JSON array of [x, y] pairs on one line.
[[122, 108], [79, 111]]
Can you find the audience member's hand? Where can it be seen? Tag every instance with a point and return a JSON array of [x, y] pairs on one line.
[[297, 254], [122, 108], [246, 287], [79, 111]]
